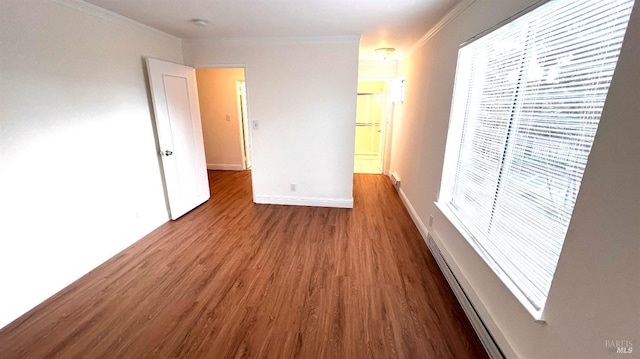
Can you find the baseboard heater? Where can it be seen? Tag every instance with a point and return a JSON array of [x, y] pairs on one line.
[[483, 333], [395, 180]]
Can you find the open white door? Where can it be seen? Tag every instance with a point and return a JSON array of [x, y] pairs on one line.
[[241, 92], [177, 113]]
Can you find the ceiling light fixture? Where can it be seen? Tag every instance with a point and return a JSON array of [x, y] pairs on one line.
[[385, 52], [200, 22]]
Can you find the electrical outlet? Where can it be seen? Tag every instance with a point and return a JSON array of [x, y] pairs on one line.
[[292, 187], [256, 125], [227, 117]]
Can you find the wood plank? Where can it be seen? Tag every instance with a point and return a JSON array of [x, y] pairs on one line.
[[236, 279]]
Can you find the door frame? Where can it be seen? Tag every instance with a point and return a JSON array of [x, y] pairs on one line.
[[243, 123], [386, 122], [248, 107]]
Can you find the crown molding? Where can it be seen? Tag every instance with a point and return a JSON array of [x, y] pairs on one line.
[[110, 16], [244, 41], [450, 15]]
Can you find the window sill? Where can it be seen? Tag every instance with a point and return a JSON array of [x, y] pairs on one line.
[[536, 314]]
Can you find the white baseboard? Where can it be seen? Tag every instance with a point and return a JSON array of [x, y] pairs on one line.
[[224, 167], [305, 201], [414, 215]]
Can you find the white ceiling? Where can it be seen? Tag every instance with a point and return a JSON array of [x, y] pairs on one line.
[[382, 23]]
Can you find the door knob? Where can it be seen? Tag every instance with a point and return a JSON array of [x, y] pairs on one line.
[[166, 153]]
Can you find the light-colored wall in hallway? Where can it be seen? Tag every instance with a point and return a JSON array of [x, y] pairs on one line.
[[220, 119], [595, 293], [377, 69]]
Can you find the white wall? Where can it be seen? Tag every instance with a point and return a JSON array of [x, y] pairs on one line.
[[221, 123], [79, 174], [595, 295], [378, 69], [303, 95]]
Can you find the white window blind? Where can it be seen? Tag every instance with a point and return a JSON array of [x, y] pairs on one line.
[[527, 101]]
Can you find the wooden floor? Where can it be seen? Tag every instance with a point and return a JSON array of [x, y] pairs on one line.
[[233, 279]]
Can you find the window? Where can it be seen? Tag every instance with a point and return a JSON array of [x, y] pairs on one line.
[[527, 101]]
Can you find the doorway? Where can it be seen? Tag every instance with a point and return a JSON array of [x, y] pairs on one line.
[[370, 127], [223, 108]]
